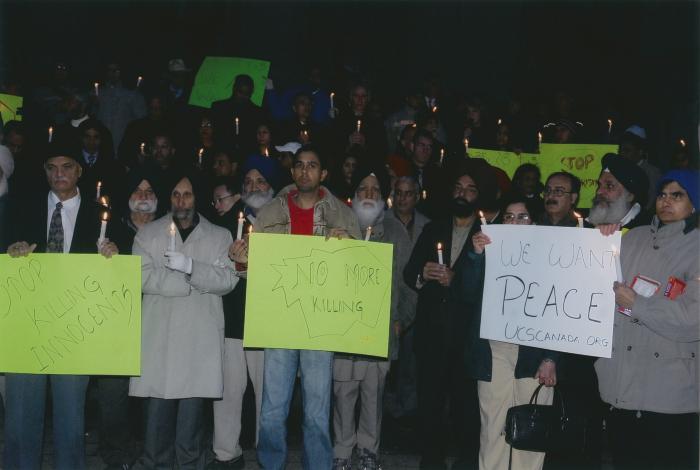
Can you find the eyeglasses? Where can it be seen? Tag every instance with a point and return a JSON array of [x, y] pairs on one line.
[[219, 200], [556, 192], [675, 196], [519, 217]]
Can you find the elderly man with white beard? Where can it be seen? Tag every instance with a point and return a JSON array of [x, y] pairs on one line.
[[362, 377], [621, 196], [260, 176]]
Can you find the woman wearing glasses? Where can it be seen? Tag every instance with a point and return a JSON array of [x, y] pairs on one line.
[[507, 374], [651, 381]]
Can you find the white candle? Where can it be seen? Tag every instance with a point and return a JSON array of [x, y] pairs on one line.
[[439, 253], [50, 134], [368, 233], [99, 190], [482, 218], [104, 202], [442, 156], [97, 89], [173, 231], [237, 121], [239, 230], [579, 219], [142, 147], [332, 97], [424, 194], [359, 125], [267, 154], [609, 126], [389, 203], [539, 139], [199, 156], [499, 122], [138, 81], [103, 229], [682, 142], [618, 265], [466, 146]]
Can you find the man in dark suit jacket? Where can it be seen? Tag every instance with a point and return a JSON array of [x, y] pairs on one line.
[[441, 325], [63, 222]]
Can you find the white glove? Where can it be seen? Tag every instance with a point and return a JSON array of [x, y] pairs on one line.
[[178, 262]]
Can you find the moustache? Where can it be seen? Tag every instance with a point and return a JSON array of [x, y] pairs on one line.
[[551, 202]]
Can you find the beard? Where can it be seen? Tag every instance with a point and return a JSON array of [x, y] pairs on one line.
[[144, 206], [256, 199], [183, 214], [460, 207], [606, 212], [368, 211]]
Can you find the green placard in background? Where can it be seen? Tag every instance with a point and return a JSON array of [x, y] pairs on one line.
[[214, 80], [307, 292], [70, 314], [10, 106]]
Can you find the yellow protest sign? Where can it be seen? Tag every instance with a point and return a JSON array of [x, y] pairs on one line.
[[10, 106], [506, 161], [70, 314], [582, 160], [310, 293]]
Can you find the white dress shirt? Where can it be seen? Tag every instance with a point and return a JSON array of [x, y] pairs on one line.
[[69, 214]]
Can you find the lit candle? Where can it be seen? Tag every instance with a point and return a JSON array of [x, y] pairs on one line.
[[103, 229], [579, 219], [424, 194], [682, 142], [50, 134], [142, 147], [138, 81], [332, 97], [239, 230], [442, 156], [539, 138], [305, 133], [466, 146], [173, 231], [434, 109], [482, 218], [389, 203], [618, 265], [267, 154], [439, 253], [359, 125], [97, 89], [199, 156], [609, 126], [250, 230], [104, 201], [99, 190], [349, 202], [237, 121], [499, 122], [368, 233]]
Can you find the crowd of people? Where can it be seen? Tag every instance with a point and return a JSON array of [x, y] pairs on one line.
[[174, 180]]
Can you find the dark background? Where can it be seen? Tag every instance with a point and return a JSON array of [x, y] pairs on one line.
[[636, 61]]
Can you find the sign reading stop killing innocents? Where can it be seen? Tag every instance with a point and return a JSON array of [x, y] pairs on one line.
[[310, 293], [550, 288], [70, 314]]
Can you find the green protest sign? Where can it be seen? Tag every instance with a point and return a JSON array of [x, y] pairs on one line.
[[70, 314], [214, 80], [10, 106], [582, 160], [310, 293], [506, 161]]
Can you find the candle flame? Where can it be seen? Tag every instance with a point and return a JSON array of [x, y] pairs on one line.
[[104, 202], [539, 137], [481, 214], [389, 204], [267, 154], [439, 246], [577, 215], [240, 215], [332, 95], [499, 122], [201, 152], [435, 109], [50, 130], [143, 146], [172, 228], [425, 194], [442, 153], [682, 142], [105, 216], [99, 184]]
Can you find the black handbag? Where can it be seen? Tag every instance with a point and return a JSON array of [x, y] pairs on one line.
[[544, 428]]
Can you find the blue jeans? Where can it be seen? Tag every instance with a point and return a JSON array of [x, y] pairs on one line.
[[24, 420], [316, 386]]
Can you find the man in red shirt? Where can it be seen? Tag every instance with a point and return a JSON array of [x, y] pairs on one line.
[[303, 208]]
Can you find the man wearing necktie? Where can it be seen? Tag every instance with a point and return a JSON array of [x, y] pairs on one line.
[[60, 222]]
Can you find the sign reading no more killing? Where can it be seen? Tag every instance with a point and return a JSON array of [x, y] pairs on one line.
[[550, 288], [70, 314], [307, 292]]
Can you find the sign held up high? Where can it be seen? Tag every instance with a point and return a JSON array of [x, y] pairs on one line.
[[550, 288]]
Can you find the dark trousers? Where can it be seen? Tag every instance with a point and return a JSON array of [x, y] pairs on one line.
[[174, 430], [442, 380], [116, 444], [653, 441]]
